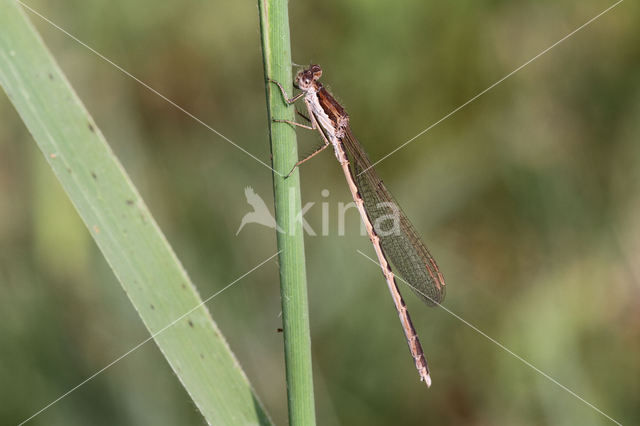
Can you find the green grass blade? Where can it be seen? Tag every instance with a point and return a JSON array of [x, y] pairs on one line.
[[276, 50], [122, 226]]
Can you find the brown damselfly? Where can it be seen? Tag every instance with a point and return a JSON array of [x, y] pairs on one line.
[[393, 236]]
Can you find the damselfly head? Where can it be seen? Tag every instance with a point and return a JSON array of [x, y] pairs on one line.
[[306, 78]]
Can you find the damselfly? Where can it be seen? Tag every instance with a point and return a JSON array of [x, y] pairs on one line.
[[397, 241]]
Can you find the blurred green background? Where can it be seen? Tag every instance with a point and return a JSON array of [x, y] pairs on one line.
[[528, 198]]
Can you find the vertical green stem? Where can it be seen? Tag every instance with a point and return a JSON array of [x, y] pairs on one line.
[[274, 25]]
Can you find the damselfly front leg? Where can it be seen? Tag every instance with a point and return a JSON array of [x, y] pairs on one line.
[[290, 100], [287, 99], [311, 118]]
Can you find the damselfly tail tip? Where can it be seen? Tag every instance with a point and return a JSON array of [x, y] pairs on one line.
[[424, 375]]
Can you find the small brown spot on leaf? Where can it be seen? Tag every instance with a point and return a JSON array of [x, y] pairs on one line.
[[279, 330], [91, 127], [94, 175], [202, 356], [190, 324], [50, 76], [184, 286], [129, 202], [153, 307]]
